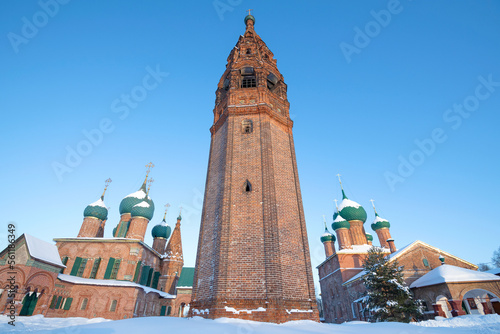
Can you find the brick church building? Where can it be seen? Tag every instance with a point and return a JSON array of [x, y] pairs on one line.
[[425, 271], [253, 258], [92, 276]]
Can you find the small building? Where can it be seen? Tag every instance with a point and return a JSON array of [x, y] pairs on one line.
[[454, 291]]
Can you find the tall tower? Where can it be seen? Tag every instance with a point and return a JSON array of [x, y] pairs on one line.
[[253, 257]]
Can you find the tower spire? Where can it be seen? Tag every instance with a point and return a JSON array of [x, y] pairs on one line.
[[341, 187], [107, 182]]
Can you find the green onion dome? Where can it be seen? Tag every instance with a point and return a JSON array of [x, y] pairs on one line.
[[351, 210], [339, 223], [97, 210], [143, 209], [327, 236], [249, 17], [162, 230], [379, 223], [369, 237]]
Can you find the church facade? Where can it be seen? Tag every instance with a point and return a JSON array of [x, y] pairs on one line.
[[341, 273], [253, 258], [92, 276]]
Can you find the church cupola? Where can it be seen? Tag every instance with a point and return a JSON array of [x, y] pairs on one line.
[[328, 240], [140, 215], [369, 237], [355, 214], [95, 216], [341, 227], [129, 202], [381, 227], [160, 233]]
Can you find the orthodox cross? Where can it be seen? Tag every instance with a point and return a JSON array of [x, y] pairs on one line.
[[249, 11], [373, 204], [324, 220], [340, 181], [336, 204]]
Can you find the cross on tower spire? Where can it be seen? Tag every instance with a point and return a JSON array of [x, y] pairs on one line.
[[336, 204], [324, 221], [341, 187], [249, 11], [373, 204]]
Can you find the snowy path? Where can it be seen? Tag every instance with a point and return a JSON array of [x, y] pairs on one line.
[[38, 324]]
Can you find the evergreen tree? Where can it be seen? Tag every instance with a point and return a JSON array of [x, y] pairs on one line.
[[388, 298]]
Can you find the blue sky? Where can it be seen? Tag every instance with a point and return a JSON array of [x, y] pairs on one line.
[[367, 81]]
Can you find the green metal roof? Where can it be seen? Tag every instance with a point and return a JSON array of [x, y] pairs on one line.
[[187, 277]]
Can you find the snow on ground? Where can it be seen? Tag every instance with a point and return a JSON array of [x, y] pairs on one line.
[[470, 324]]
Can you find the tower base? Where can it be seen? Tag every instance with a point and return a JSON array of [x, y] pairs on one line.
[[264, 310]]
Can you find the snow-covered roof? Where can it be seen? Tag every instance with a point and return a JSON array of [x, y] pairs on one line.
[[378, 219], [448, 274], [43, 251], [348, 203], [143, 204], [110, 282], [339, 219], [403, 250], [495, 271], [99, 202], [140, 194], [359, 249]]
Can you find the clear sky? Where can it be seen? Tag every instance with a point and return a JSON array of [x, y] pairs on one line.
[[401, 98]]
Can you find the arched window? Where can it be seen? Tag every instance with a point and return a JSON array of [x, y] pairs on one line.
[[247, 187], [112, 308], [247, 126], [84, 304], [169, 310]]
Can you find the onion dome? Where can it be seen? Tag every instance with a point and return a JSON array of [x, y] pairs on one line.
[[135, 198], [162, 230], [97, 210], [369, 237], [249, 17], [327, 236], [143, 209], [339, 223], [379, 223], [351, 210]]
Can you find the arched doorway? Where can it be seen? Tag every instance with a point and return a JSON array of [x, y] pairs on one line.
[[445, 305], [480, 301]]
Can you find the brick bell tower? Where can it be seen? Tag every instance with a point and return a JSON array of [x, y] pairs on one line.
[[253, 258]]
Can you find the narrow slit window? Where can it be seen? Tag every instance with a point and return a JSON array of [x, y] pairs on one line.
[[248, 186], [84, 304]]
